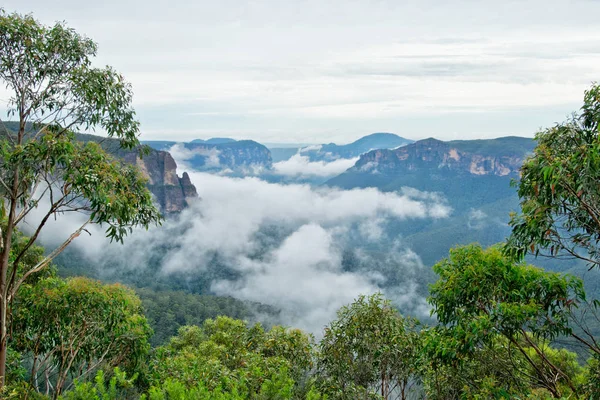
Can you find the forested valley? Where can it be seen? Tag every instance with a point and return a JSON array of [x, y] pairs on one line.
[[497, 326]]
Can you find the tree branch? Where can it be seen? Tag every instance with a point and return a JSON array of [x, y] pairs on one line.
[[47, 260]]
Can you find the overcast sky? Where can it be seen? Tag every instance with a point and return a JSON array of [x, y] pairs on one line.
[[321, 71]]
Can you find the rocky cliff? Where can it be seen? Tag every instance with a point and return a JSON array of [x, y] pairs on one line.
[[499, 157], [172, 193]]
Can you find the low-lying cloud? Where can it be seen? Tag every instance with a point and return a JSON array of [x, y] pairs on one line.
[[183, 155], [297, 167], [285, 245], [300, 166]]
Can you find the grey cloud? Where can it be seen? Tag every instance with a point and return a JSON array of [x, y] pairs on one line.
[[269, 66]]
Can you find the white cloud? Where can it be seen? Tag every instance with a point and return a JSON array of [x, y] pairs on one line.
[[299, 165], [477, 219], [285, 244], [182, 155], [304, 277]]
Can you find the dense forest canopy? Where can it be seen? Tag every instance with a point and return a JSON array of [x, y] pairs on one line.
[[502, 328]]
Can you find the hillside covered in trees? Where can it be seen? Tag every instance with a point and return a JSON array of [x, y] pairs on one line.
[[498, 327]]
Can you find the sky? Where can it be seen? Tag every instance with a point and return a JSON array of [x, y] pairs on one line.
[[332, 71]]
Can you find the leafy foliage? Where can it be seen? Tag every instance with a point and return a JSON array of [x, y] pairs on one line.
[[119, 387], [70, 328], [508, 297], [54, 90], [227, 356], [560, 197], [521, 303], [493, 371], [369, 349]]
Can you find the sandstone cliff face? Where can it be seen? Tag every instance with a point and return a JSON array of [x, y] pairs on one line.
[[172, 193], [444, 157]]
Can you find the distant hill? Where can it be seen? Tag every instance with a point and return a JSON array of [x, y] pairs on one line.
[[283, 153], [474, 177], [214, 141], [221, 153], [362, 145], [332, 151]]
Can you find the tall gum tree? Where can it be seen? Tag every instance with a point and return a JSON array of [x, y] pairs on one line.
[[559, 191], [54, 91]]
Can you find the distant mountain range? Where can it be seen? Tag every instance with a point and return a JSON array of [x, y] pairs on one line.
[[225, 153], [332, 151], [474, 176], [219, 154]]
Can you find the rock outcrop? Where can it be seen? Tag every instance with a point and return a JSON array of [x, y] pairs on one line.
[[172, 193], [455, 157]]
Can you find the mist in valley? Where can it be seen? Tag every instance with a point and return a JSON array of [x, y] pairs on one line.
[[304, 250]]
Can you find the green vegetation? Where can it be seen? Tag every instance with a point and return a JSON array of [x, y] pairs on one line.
[[559, 190], [370, 349], [499, 320], [70, 327], [55, 90], [169, 310], [493, 340]]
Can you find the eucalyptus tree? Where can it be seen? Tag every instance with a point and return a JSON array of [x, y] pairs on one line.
[[71, 327], [54, 91], [370, 350], [224, 355], [559, 191], [481, 294]]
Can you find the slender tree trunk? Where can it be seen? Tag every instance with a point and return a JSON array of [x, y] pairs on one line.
[[3, 341], [3, 283], [47, 379], [4, 305], [33, 378], [403, 390], [4, 256]]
